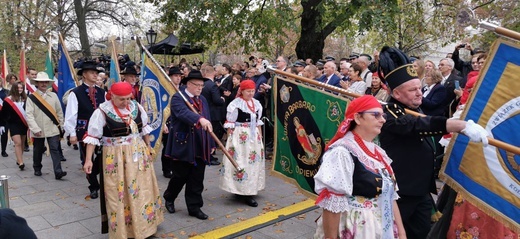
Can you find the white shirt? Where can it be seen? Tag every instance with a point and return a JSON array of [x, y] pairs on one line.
[[366, 75], [445, 78], [71, 114], [427, 90]]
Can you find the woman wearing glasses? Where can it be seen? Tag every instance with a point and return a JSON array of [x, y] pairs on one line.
[[355, 183]]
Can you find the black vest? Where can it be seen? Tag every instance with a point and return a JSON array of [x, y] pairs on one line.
[[85, 107], [115, 128], [366, 183], [244, 117]]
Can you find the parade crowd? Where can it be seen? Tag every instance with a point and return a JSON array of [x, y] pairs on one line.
[[366, 190]]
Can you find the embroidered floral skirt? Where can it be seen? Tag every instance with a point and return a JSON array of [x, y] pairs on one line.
[[468, 221], [133, 201], [363, 220], [247, 149]]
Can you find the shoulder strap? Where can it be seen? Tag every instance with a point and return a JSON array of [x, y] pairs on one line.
[[45, 107]]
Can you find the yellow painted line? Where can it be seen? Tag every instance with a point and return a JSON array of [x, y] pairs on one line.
[[267, 217]]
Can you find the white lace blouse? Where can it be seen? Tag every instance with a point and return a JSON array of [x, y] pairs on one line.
[[97, 121]]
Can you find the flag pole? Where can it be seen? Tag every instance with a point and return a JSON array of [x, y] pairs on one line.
[[217, 140], [497, 143], [500, 30], [71, 67]]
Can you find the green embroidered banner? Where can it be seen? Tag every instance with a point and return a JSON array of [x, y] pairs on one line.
[[306, 118]]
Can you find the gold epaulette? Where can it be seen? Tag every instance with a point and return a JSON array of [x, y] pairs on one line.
[[395, 110]]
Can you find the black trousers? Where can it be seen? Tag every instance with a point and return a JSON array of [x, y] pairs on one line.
[[3, 140], [96, 165], [39, 144], [416, 214], [166, 162], [192, 176]]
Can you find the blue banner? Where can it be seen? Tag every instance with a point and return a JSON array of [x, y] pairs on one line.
[[65, 74], [156, 92], [489, 177], [114, 68]]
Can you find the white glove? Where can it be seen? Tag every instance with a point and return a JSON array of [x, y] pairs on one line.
[[475, 132], [2, 130]]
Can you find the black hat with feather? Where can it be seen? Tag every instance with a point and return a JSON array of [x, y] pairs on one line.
[[395, 67]]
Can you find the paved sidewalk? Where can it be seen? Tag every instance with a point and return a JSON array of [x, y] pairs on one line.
[[59, 208]]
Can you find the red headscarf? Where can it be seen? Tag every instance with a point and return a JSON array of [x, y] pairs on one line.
[[119, 88], [247, 85], [360, 104]]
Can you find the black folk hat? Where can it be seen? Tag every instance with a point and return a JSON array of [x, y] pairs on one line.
[[129, 70], [89, 65], [193, 75], [174, 71], [396, 67]]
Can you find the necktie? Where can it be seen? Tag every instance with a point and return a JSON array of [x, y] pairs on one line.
[[197, 103], [92, 96]]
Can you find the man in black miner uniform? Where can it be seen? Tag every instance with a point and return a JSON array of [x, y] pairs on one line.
[[81, 103], [407, 140], [189, 145]]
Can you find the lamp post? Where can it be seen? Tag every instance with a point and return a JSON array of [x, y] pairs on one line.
[[151, 37]]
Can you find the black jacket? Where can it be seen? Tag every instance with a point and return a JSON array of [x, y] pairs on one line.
[[407, 141], [215, 102]]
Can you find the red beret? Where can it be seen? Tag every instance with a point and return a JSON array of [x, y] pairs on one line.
[[247, 85], [121, 88]]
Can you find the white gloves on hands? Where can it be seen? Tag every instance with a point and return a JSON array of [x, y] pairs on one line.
[[2, 130], [475, 132]]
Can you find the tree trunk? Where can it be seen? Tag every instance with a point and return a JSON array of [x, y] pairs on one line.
[[312, 38], [82, 27]]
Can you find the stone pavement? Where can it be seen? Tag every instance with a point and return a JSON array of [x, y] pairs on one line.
[[59, 208]]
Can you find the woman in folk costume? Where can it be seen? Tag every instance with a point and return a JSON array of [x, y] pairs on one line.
[[132, 199], [355, 182], [244, 143], [14, 117]]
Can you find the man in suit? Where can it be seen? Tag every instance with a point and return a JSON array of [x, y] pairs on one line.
[[226, 83], [329, 76], [216, 103], [446, 67], [189, 145], [81, 103]]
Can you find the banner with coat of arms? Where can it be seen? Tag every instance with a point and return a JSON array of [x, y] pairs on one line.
[[489, 177], [306, 118], [156, 92]]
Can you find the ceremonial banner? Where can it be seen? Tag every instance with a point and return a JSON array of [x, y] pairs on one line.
[[306, 118], [114, 67], [5, 69], [23, 68], [49, 68], [489, 177], [66, 73], [155, 98]]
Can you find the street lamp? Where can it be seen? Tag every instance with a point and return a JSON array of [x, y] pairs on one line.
[[151, 37]]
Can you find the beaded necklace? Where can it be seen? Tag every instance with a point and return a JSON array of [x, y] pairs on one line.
[[252, 107], [377, 156], [127, 121]]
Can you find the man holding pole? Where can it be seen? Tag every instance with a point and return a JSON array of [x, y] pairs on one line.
[[407, 139], [189, 145]]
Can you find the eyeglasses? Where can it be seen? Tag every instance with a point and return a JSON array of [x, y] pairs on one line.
[[377, 115], [197, 85]]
